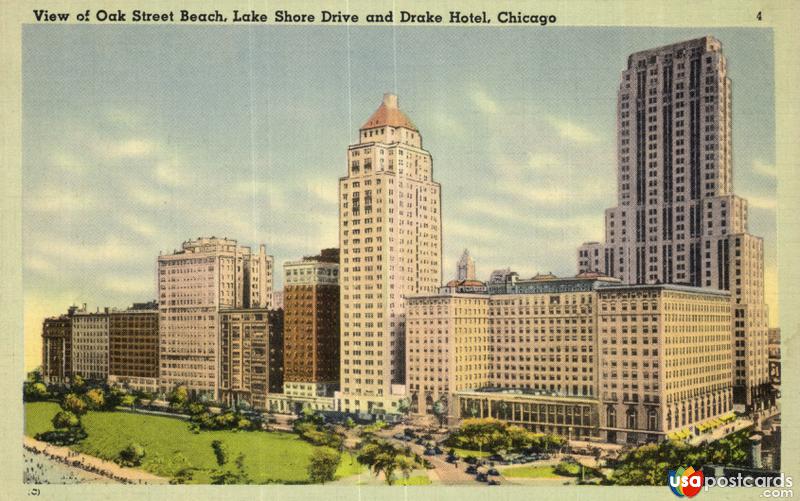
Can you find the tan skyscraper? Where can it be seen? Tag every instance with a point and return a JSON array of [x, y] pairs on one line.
[[677, 220], [466, 267], [194, 283], [391, 247]]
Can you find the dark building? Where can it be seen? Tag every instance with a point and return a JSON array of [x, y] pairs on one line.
[[251, 355], [57, 347], [133, 347], [311, 344]]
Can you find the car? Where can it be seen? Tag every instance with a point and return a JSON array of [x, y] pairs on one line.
[[399, 436], [409, 433], [493, 482], [429, 452], [437, 450], [495, 457], [481, 477], [472, 469], [471, 460], [419, 441], [493, 472]]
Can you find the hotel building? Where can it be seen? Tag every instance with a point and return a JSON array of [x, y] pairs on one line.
[[390, 236], [133, 347], [194, 283], [311, 325], [585, 357], [677, 219]]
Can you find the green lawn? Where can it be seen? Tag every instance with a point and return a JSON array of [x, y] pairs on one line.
[[462, 453], [269, 456], [415, 480], [530, 472]]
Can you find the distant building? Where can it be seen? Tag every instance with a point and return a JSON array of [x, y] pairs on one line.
[[57, 348], [277, 300], [466, 267], [133, 340], [194, 283], [311, 325], [251, 356], [90, 344], [775, 356], [591, 257]]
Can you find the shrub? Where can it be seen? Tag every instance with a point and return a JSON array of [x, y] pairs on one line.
[[74, 404], [95, 399], [64, 420], [131, 455], [323, 464]]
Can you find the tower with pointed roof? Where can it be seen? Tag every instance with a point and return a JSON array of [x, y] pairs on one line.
[[390, 236], [466, 267]]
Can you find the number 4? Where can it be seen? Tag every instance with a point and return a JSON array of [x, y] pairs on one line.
[[758, 16]]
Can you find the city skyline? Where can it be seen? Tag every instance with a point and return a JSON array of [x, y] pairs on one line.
[[101, 263]]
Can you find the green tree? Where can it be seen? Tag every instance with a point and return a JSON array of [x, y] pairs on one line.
[[129, 401], [220, 452], [95, 399], [323, 464], [74, 404], [179, 397], [405, 464], [78, 383], [64, 420], [35, 376], [131, 455], [33, 391], [440, 410]]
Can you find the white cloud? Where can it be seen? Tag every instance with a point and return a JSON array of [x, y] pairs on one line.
[[571, 131], [170, 173], [765, 169], [112, 251], [759, 202], [544, 161], [147, 196], [136, 285], [129, 148], [483, 101], [59, 200], [68, 163], [137, 225]]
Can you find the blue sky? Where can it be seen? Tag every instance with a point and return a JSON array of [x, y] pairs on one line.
[[136, 138]]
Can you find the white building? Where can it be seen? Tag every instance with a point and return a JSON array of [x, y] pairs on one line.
[[90, 344], [390, 236], [194, 283]]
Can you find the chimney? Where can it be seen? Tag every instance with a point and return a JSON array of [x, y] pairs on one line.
[[390, 100]]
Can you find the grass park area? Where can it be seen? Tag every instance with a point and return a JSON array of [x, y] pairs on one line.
[[530, 472], [415, 480], [268, 456], [462, 453]]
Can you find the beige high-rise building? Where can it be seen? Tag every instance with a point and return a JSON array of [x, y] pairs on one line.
[[665, 360], [584, 357], [90, 344], [448, 347], [390, 236], [194, 284], [677, 219]]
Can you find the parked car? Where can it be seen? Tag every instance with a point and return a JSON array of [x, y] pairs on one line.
[[419, 441], [409, 433], [471, 460], [429, 452], [495, 457], [493, 472], [437, 450], [399, 436], [472, 469], [493, 482], [481, 477]]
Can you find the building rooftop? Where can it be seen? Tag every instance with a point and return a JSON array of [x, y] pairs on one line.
[[389, 114]]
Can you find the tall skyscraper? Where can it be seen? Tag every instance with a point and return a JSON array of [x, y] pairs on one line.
[[311, 325], [57, 347], [677, 219], [390, 236], [466, 267], [194, 284]]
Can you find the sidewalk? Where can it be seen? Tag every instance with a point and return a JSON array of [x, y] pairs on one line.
[[92, 464]]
